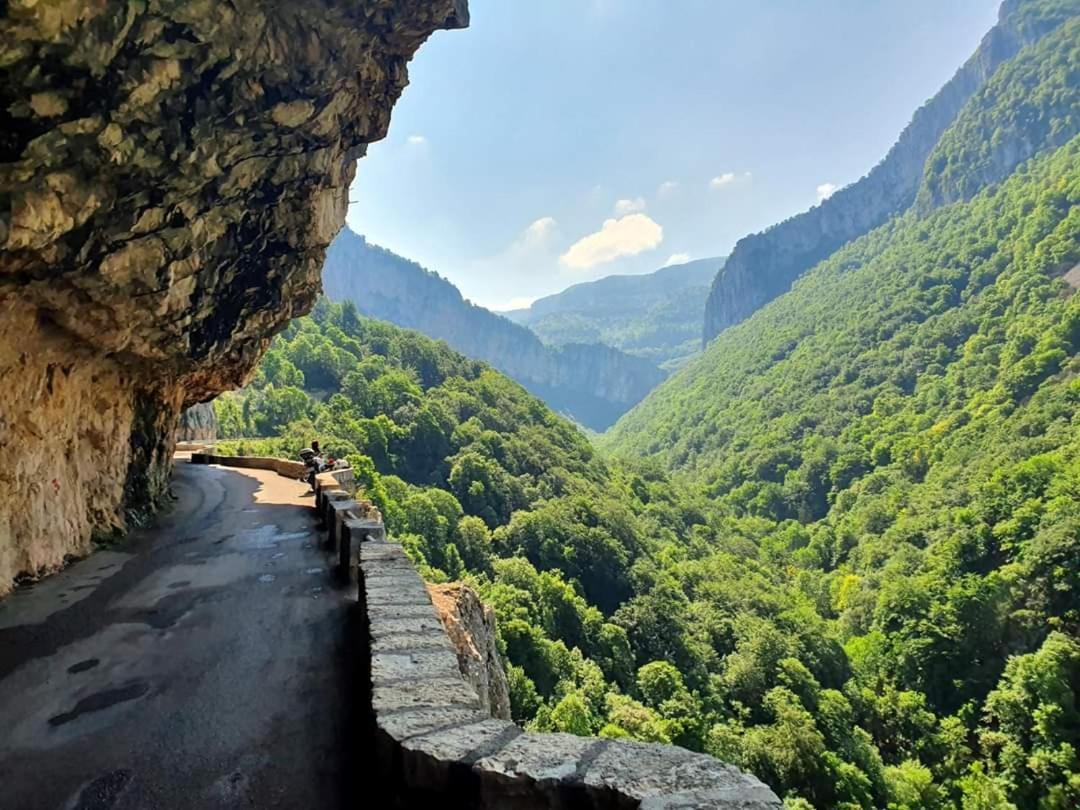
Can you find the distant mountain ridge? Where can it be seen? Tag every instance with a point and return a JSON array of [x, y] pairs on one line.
[[764, 265], [656, 315], [592, 383]]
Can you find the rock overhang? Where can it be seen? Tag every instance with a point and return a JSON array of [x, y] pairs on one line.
[[174, 170], [171, 172]]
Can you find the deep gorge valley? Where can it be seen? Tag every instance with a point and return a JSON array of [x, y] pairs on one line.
[[812, 508]]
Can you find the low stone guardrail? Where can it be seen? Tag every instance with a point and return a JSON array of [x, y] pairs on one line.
[[347, 518], [282, 466], [337, 502], [433, 744], [192, 447]]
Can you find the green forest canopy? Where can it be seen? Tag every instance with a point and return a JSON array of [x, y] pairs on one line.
[[841, 548], [862, 584]]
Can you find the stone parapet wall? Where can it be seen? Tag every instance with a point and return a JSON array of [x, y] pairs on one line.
[[282, 466], [436, 746]]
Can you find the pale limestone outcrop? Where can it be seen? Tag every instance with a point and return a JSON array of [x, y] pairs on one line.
[[197, 424], [470, 624], [171, 174]]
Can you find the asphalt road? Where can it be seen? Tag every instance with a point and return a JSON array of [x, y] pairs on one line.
[[203, 666]]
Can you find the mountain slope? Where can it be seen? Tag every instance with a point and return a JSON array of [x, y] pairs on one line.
[[1029, 105], [656, 316], [897, 437], [764, 265], [914, 294], [594, 384], [910, 462]]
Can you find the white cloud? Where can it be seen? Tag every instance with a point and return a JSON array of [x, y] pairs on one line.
[[721, 180], [666, 189], [416, 140], [676, 258], [624, 207], [729, 179], [539, 232], [627, 236], [826, 190], [503, 279]]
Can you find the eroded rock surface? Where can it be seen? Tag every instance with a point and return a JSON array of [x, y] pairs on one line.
[[470, 624], [197, 424], [171, 172]]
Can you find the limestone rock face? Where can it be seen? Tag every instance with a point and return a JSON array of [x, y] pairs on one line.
[[197, 424], [470, 624], [171, 172], [765, 265]]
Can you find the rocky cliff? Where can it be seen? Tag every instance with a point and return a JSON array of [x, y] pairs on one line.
[[470, 624], [592, 383], [197, 424], [1027, 106], [765, 265], [171, 173]]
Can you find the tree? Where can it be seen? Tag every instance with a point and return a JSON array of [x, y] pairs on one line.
[[572, 715], [662, 689], [474, 541], [230, 416], [1031, 726]]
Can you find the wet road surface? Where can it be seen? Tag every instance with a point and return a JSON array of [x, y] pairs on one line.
[[203, 666]]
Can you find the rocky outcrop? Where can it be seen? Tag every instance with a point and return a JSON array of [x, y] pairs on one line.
[[197, 424], [765, 265], [1028, 106], [470, 624], [172, 172], [591, 383]]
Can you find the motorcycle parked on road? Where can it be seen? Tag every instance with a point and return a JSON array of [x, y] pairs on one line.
[[315, 464]]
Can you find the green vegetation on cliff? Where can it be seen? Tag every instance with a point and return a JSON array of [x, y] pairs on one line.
[[1015, 96], [1029, 104], [909, 462], [840, 548]]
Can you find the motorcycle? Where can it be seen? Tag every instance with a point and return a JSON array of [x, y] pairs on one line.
[[316, 464]]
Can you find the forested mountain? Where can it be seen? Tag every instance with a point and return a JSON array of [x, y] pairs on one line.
[[897, 439], [983, 145], [592, 383], [910, 464], [841, 547], [656, 316]]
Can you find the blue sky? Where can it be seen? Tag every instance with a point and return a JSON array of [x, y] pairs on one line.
[[560, 141]]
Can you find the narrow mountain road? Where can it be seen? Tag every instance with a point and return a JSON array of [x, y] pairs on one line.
[[204, 666]]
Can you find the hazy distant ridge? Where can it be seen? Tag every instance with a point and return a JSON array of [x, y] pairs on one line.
[[656, 316], [594, 384]]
